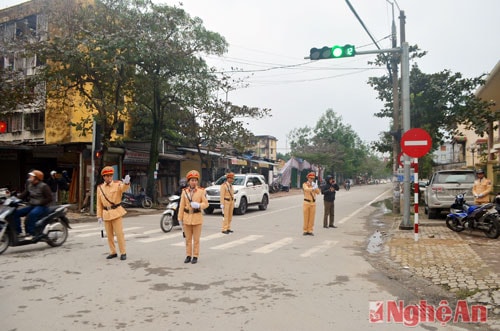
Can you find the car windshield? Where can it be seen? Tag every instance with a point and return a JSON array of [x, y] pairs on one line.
[[445, 178], [238, 180]]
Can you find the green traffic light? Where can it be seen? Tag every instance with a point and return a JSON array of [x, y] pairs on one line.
[[337, 51], [332, 52]]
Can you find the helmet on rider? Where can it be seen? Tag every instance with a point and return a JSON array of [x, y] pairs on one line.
[[37, 174], [479, 171], [328, 178]]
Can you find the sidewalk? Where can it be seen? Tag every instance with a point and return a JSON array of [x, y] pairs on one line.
[[447, 259]]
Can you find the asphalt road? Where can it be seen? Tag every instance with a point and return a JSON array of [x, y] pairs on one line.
[[264, 276]]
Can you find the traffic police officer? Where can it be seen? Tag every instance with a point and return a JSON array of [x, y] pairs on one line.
[[482, 188], [109, 210], [193, 201], [310, 189], [227, 202]]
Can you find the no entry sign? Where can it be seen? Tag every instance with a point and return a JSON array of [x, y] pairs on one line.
[[416, 142]]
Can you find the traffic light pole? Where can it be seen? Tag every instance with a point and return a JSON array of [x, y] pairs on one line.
[[405, 105]]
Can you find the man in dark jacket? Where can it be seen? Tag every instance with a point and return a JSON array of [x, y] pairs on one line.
[[39, 197], [328, 190]]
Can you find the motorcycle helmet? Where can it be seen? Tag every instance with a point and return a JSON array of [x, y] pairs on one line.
[[328, 178], [37, 174]]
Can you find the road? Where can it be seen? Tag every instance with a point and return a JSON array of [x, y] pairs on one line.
[[264, 276]]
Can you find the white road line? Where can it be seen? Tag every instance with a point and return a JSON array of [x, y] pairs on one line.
[[164, 237], [319, 248], [237, 242], [274, 246], [206, 238], [99, 231], [345, 219], [153, 231], [82, 226]]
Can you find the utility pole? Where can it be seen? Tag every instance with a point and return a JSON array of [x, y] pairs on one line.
[[396, 127]]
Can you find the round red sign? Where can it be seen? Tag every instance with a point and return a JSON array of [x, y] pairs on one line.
[[416, 142]]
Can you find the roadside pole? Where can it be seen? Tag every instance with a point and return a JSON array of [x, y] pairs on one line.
[[415, 201]]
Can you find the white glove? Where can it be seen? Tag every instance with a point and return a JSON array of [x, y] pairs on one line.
[[222, 207], [476, 196], [315, 186], [126, 180], [195, 204], [99, 221], [480, 195]]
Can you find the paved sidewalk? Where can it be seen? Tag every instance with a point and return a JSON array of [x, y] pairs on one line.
[[447, 259]]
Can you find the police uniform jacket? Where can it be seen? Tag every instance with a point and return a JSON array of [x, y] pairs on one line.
[[482, 187], [112, 209], [187, 214], [309, 192], [226, 193]]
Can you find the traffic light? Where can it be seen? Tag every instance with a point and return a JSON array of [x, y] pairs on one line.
[[332, 52], [98, 154]]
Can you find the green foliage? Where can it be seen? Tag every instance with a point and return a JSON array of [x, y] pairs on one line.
[[439, 103], [16, 89], [336, 147]]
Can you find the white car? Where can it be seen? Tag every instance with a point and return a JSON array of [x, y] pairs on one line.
[[249, 189]]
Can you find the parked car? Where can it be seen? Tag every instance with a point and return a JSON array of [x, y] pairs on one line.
[[442, 188], [249, 189]]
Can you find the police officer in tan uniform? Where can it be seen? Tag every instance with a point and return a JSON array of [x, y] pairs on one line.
[[310, 189], [482, 188], [109, 210], [193, 201], [227, 202]]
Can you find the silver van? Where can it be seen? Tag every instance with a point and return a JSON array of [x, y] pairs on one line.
[[442, 188]]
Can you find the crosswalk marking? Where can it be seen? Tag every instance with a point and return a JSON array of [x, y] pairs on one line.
[[85, 231], [237, 242], [206, 238], [273, 246], [164, 237], [319, 248], [85, 235]]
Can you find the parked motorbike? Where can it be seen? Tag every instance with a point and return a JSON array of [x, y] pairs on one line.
[[484, 218], [52, 229], [141, 200], [169, 217]]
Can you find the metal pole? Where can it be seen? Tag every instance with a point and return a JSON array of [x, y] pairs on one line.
[[405, 101], [92, 174]]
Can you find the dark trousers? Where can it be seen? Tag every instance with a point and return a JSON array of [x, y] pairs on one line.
[[329, 213], [34, 214]]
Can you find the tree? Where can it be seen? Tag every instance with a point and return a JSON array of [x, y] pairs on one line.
[[439, 103], [88, 56], [332, 145]]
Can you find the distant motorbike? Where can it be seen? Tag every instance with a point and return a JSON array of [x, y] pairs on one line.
[[141, 200], [169, 217], [52, 229], [484, 218]]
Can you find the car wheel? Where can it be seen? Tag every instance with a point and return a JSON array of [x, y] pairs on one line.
[[242, 209], [433, 213], [264, 203], [209, 210]]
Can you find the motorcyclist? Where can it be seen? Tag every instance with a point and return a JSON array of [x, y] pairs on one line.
[[39, 197]]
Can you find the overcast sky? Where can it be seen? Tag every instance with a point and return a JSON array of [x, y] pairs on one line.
[[270, 38]]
